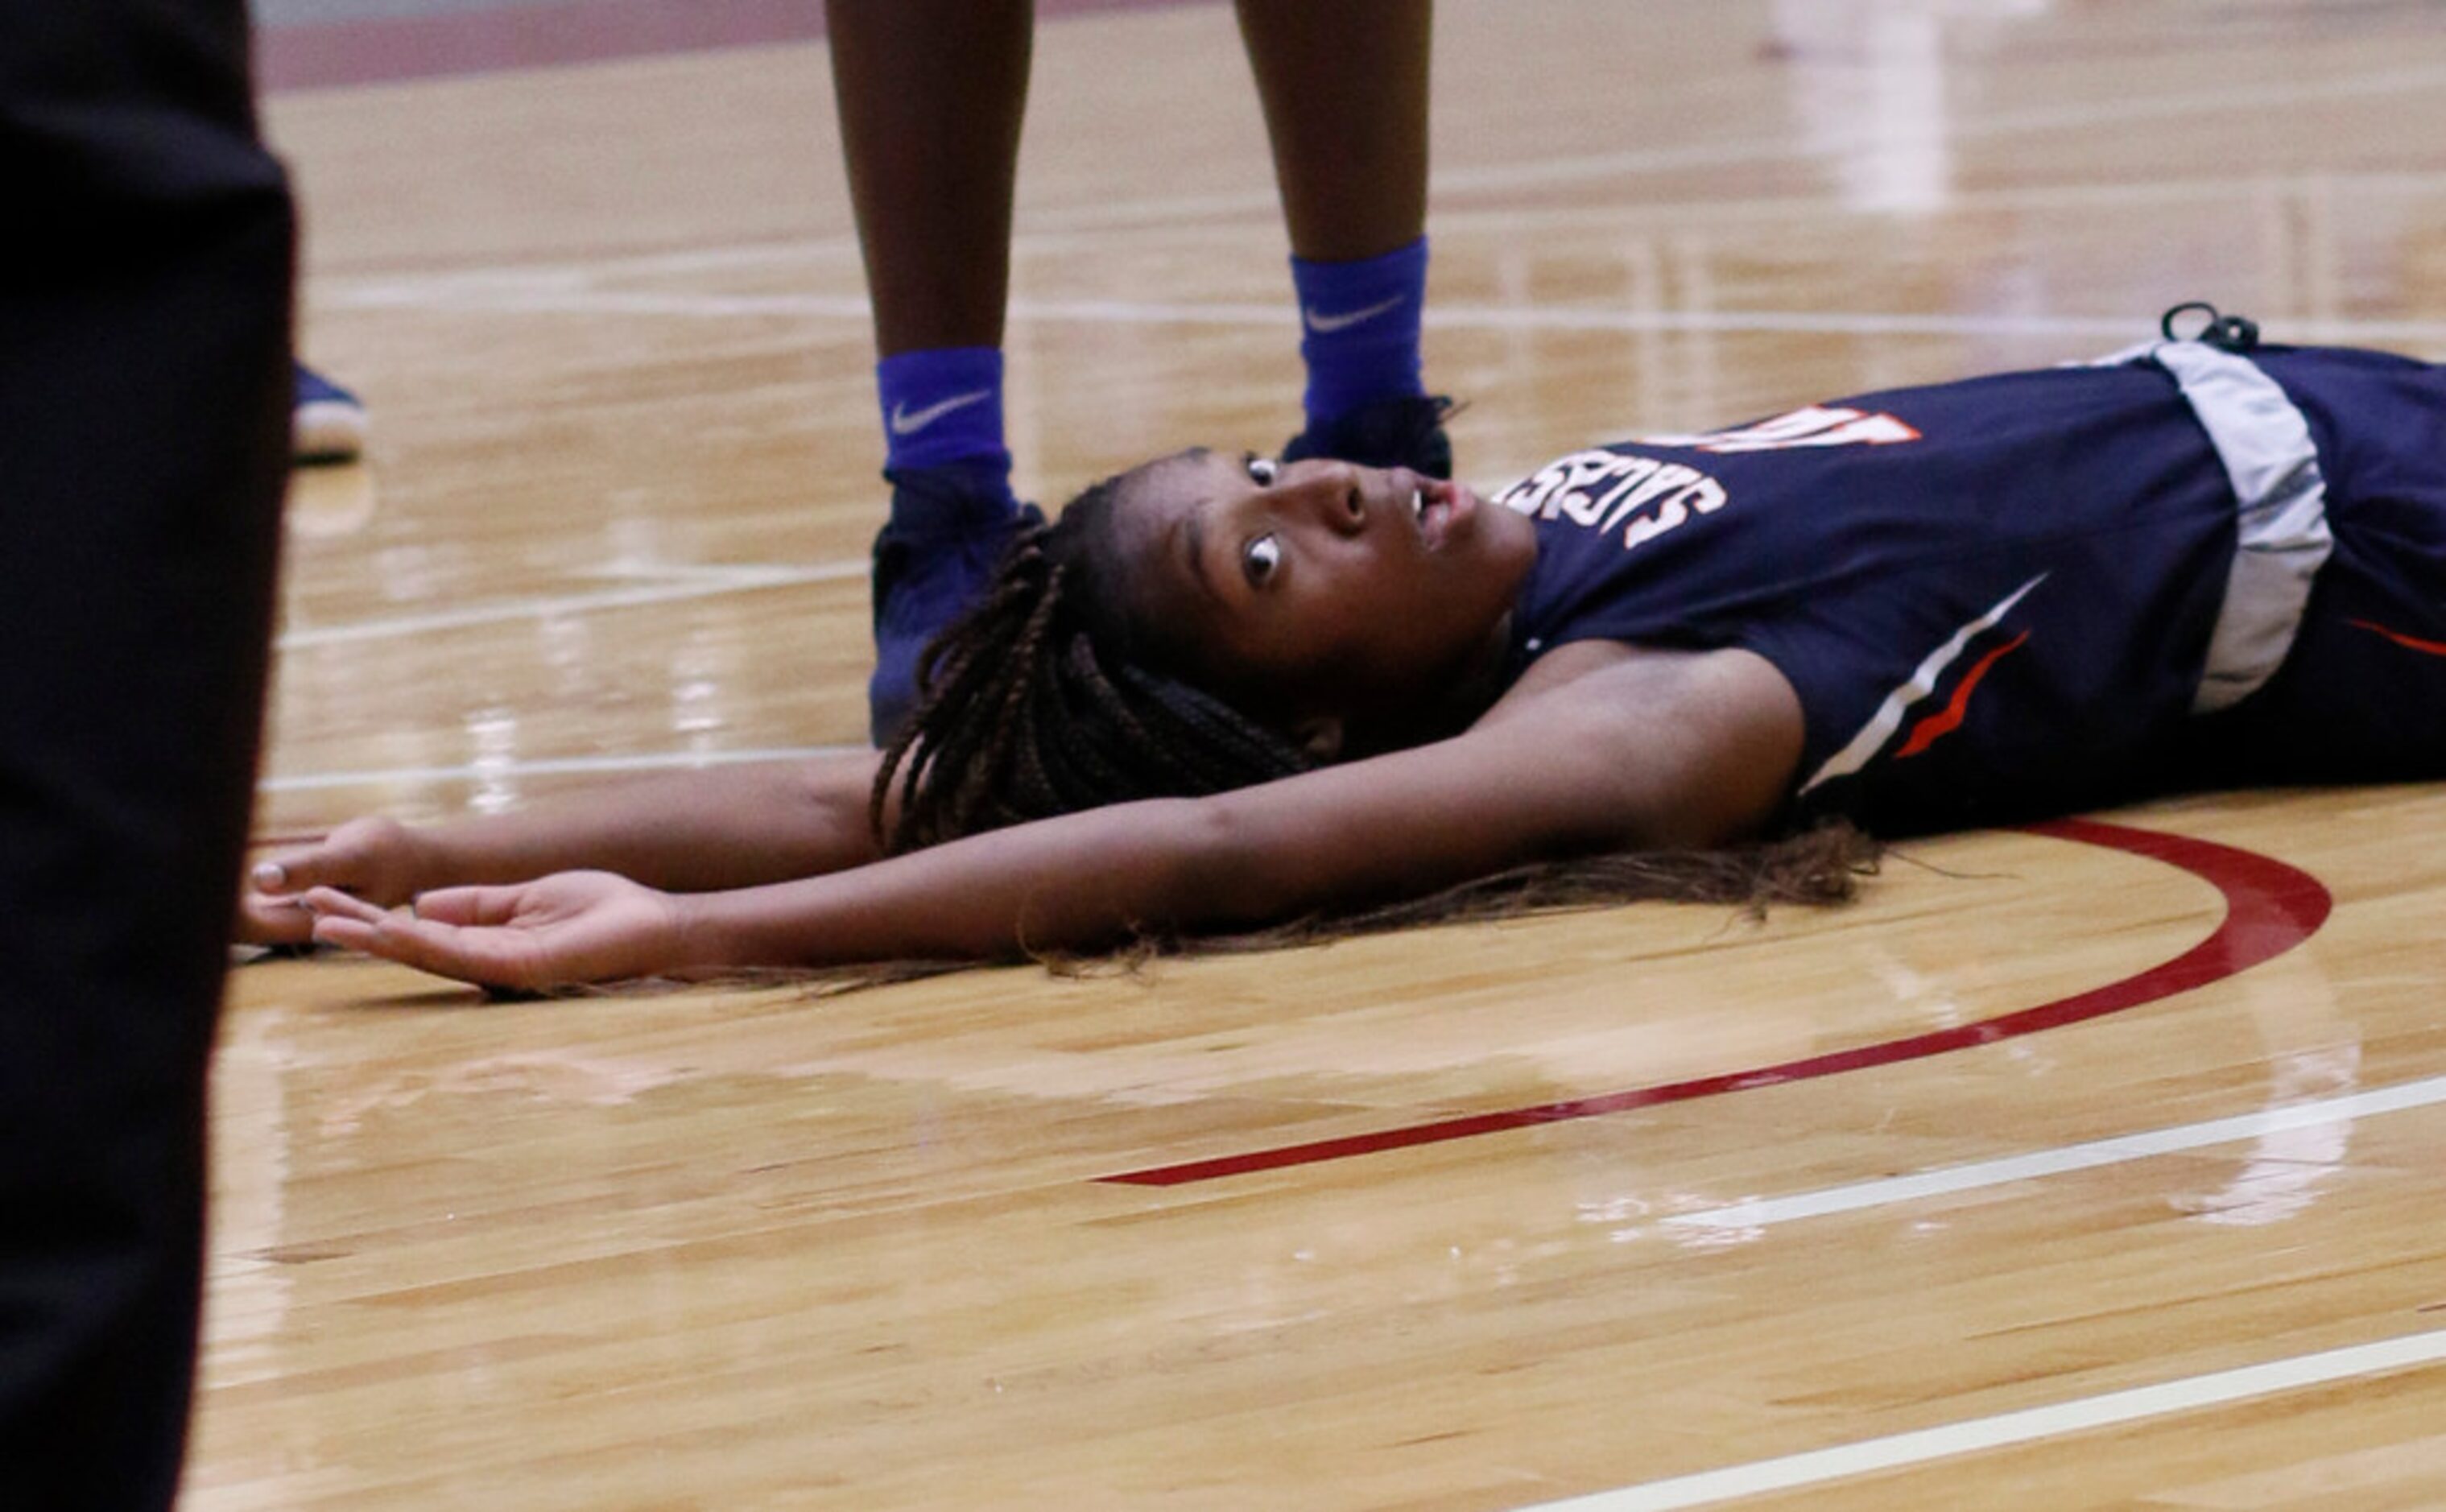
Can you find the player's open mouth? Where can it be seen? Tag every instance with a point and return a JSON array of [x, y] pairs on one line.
[[1437, 506]]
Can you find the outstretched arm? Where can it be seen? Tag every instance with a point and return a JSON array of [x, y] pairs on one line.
[[1647, 749], [692, 831]]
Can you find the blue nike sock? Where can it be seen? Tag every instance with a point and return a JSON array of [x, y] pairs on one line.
[[1359, 329], [942, 412]]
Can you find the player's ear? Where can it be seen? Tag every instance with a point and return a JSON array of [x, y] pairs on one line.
[[1320, 735]]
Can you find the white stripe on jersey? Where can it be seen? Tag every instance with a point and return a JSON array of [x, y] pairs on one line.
[[2282, 537], [1889, 717], [2281, 511]]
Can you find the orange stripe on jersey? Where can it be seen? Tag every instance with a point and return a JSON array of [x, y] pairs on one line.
[[1949, 719], [2427, 647]]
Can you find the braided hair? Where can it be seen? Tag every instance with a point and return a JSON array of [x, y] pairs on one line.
[[1042, 700]]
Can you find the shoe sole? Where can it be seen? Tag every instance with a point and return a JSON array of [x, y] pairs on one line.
[[326, 431]]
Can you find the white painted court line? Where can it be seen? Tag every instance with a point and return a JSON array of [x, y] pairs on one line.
[[554, 298], [511, 300], [564, 286], [1267, 316], [541, 278], [1582, 169], [2154, 195], [1969, 125], [1763, 1212], [548, 767], [1793, 1471], [695, 583]]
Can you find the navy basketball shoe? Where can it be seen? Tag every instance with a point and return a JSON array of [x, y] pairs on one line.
[[1404, 432], [932, 560]]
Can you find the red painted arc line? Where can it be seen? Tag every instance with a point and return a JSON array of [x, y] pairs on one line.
[[2271, 907]]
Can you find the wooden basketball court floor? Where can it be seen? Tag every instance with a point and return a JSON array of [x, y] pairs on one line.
[[2095, 1167]]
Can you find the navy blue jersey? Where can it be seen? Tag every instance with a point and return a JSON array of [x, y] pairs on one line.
[[2015, 595]]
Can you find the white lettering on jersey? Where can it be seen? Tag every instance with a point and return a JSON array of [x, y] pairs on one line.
[[1704, 496], [1543, 492], [1607, 490], [1817, 425], [1645, 496]]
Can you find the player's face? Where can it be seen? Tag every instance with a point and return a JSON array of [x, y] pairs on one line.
[[1320, 588]]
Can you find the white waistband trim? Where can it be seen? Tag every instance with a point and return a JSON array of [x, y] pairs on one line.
[[2281, 497]]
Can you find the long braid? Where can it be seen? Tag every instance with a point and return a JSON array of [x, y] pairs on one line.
[[1202, 734], [1035, 703], [1084, 767], [986, 770]]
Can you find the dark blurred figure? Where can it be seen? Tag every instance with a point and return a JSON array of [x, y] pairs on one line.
[[144, 399]]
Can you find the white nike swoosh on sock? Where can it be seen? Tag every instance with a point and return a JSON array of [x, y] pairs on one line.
[[905, 423], [1327, 325]]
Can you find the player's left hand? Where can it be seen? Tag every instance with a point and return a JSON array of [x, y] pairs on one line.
[[553, 932]]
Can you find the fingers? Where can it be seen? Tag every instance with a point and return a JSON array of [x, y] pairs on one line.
[[403, 940], [440, 945], [270, 910], [293, 870], [365, 855], [329, 902], [471, 906], [263, 920]]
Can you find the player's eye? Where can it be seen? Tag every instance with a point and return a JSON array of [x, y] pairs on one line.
[[1262, 470], [1260, 559]]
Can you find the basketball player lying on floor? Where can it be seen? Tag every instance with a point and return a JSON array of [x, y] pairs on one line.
[[1222, 690]]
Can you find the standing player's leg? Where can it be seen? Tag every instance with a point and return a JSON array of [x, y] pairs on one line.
[[1345, 87], [144, 397], [931, 94]]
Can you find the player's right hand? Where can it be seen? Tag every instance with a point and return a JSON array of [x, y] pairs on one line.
[[378, 859], [556, 930]]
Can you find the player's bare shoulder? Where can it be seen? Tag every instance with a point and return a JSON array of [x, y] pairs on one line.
[[1710, 741]]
